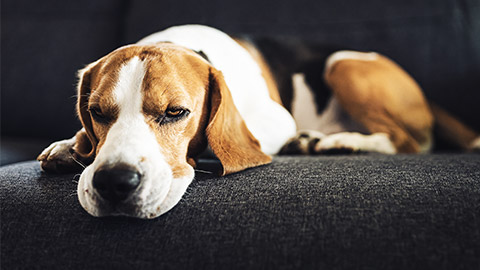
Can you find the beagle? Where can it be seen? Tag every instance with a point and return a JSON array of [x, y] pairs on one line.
[[149, 109]]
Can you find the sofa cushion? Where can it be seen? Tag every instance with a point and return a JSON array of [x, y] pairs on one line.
[[336, 212]]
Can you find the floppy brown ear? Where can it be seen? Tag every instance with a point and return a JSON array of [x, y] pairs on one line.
[[86, 140], [227, 133]]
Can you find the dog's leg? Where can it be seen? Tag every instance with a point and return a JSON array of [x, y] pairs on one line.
[[382, 97], [313, 142], [60, 156]]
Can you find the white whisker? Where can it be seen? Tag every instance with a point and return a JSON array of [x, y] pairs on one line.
[[77, 161], [202, 171]]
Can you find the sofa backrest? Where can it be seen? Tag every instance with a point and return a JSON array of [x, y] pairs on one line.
[[45, 42]]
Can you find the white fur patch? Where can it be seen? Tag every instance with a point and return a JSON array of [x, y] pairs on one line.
[[128, 91], [377, 142], [304, 110], [349, 55], [131, 141], [333, 119], [269, 122]]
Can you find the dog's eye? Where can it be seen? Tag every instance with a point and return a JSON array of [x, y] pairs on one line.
[[172, 115], [97, 115], [175, 112]]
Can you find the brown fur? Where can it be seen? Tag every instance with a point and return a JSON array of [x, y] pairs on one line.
[[383, 98]]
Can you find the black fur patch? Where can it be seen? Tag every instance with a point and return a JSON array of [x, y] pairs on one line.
[[203, 55], [287, 56]]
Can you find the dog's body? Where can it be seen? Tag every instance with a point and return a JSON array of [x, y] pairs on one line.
[[149, 109]]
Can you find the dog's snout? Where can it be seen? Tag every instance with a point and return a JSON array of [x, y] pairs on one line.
[[117, 183]]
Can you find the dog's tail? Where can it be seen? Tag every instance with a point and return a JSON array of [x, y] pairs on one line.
[[453, 131]]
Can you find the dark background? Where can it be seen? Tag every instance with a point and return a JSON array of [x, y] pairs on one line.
[[44, 43]]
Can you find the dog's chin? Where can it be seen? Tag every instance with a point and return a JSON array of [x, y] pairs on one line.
[[152, 199]]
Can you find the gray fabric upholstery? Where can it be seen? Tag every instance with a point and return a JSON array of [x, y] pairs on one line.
[[335, 212]]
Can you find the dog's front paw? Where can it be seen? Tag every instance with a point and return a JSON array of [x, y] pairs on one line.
[[58, 158], [303, 143]]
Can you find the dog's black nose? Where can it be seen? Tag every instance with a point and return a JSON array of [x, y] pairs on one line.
[[116, 183]]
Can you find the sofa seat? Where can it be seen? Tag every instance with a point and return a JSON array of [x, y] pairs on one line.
[[300, 212]]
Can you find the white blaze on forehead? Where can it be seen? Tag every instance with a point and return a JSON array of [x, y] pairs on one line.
[[128, 91], [130, 137]]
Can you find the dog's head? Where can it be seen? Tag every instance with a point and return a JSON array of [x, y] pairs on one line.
[[148, 111]]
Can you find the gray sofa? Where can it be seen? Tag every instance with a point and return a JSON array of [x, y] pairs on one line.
[[340, 212], [300, 212]]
